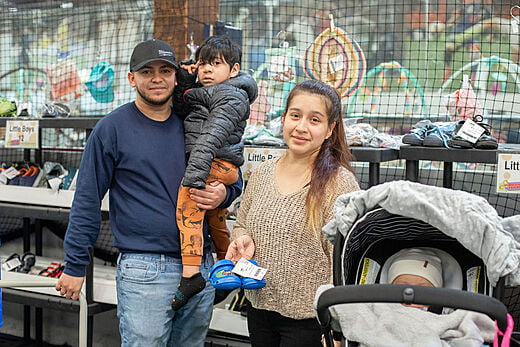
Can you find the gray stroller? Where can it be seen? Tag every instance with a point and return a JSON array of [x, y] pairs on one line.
[[369, 226]]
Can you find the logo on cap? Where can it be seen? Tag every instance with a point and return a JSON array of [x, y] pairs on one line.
[[165, 53]]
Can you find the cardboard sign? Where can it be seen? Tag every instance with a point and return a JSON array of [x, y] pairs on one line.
[[21, 134], [508, 173]]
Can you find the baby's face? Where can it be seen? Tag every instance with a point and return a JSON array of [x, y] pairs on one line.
[[413, 280]]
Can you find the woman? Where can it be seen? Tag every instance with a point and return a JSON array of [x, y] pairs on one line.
[[285, 205]]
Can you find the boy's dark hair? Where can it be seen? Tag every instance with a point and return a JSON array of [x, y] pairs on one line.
[[219, 46]]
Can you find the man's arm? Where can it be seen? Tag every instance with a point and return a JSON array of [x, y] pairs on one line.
[[85, 218]]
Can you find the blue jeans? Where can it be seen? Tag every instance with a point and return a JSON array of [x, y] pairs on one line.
[[146, 284]]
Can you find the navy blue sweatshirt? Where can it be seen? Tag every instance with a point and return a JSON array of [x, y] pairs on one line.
[[141, 162]]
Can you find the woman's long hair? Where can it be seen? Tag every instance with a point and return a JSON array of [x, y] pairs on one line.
[[334, 152]]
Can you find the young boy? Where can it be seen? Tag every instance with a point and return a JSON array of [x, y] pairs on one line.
[[214, 124]]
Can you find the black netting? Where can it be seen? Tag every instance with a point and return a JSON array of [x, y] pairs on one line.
[[512, 300]]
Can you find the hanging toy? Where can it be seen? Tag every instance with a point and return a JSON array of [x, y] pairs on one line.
[[336, 59], [192, 47]]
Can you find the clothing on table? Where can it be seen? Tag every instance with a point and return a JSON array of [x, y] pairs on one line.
[[189, 217], [297, 258]]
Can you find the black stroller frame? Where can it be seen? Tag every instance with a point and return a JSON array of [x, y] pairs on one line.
[[379, 234]]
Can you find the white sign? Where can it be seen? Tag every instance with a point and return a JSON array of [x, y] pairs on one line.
[[21, 134], [508, 173], [336, 64], [253, 156]]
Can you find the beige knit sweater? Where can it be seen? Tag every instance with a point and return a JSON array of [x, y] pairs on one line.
[[297, 260]]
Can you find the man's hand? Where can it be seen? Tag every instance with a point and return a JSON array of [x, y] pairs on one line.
[[209, 198], [70, 286], [242, 247]]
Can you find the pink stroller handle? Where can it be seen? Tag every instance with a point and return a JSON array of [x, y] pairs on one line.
[[506, 336]]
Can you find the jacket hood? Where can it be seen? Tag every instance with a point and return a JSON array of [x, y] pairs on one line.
[[245, 82]]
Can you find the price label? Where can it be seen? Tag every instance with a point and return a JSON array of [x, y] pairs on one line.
[[470, 131], [21, 134], [278, 64], [336, 64], [245, 268]]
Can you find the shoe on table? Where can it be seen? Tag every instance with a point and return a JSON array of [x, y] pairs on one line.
[[457, 141], [416, 137], [486, 140], [440, 135]]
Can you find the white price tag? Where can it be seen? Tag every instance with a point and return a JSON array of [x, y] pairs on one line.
[[336, 64], [278, 64], [10, 173], [245, 268], [12, 264], [54, 183], [470, 131]]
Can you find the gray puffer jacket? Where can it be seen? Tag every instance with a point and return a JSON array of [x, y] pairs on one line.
[[215, 125]]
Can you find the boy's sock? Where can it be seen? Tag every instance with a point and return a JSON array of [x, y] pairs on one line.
[[188, 287]]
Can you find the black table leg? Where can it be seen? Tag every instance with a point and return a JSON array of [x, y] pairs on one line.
[[373, 174], [412, 170], [447, 175]]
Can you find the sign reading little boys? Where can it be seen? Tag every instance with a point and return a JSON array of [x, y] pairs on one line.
[[21, 134], [508, 173]]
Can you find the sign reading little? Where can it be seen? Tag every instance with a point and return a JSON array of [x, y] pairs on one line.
[[21, 134], [508, 173], [253, 156]]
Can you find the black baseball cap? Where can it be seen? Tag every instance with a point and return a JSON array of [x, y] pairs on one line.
[[152, 50]]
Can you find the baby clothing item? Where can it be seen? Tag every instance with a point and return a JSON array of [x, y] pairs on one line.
[[221, 277], [463, 104], [100, 82], [188, 287], [418, 262]]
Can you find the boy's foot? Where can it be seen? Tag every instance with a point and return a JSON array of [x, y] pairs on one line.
[[188, 287]]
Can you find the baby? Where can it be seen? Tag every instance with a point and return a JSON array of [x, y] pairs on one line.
[[416, 266]]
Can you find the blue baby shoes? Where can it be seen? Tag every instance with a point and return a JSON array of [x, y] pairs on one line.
[[221, 277]]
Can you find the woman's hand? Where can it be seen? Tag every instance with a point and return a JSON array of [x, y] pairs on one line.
[[242, 247]]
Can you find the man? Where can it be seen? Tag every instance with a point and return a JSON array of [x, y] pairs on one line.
[[137, 151]]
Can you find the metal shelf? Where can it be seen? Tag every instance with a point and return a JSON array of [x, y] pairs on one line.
[[71, 122]]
